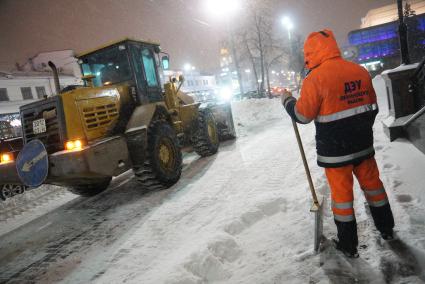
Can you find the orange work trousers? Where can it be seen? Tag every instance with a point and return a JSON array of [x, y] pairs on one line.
[[341, 184]]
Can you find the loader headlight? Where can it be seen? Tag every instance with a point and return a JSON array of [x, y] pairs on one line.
[[226, 94], [74, 145], [6, 158]]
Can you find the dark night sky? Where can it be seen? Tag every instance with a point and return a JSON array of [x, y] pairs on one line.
[[183, 27]]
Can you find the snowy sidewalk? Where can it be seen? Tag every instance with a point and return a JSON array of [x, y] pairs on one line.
[[243, 217]]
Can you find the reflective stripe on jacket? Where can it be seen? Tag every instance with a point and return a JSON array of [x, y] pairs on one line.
[[338, 95]]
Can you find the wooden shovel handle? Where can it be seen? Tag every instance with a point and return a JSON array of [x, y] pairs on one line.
[[307, 170]]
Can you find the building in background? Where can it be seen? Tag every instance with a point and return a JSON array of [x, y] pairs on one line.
[[228, 76], [33, 81], [203, 87], [19, 88], [389, 14], [377, 47]]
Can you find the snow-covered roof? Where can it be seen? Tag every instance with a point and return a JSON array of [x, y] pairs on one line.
[[400, 68], [26, 75]]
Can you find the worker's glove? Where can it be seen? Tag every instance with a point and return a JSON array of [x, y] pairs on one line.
[[286, 97]]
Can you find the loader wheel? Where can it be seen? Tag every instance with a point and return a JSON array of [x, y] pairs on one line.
[[92, 189], [205, 140], [163, 165]]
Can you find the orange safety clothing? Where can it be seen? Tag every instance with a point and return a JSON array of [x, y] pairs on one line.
[[339, 96], [341, 184]]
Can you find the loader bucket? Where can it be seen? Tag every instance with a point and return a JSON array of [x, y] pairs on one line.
[[224, 118]]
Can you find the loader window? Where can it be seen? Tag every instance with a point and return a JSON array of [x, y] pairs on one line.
[[150, 70], [146, 72], [110, 66]]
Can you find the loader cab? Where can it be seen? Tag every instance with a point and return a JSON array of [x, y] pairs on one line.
[[130, 62]]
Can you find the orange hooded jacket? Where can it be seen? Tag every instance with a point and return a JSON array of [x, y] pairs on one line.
[[339, 96]]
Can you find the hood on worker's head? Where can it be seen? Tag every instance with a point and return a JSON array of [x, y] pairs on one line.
[[319, 47]]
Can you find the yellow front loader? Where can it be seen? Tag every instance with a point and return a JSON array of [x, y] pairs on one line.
[[121, 119]]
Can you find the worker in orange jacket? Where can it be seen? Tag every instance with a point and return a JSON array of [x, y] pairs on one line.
[[338, 95]]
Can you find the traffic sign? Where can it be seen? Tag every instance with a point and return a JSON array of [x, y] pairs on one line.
[[32, 163]]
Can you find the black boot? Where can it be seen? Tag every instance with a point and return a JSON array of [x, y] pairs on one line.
[[352, 253], [384, 220], [347, 238]]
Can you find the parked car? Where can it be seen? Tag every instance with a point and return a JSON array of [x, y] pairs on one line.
[[6, 130], [277, 91], [254, 95]]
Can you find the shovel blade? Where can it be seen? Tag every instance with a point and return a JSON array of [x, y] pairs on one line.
[[317, 210]]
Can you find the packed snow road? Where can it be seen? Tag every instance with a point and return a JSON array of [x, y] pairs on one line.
[[241, 216]]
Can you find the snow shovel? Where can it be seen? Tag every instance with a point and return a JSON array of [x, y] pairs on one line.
[[317, 206]]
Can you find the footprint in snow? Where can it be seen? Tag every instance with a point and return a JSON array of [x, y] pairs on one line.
[[389, 166], [234, 228], [225, 248], [249, 218], [340, 269], [245, 221], [273, 207], [396, 183], [208, 264], [404, 198], [401, 264]]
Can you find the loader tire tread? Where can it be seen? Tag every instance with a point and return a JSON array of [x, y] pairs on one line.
[[225, 135], [151, 175], [203, 144]]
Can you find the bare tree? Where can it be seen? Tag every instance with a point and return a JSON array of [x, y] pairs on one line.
[[277, 54], [236, 60], [408, 11], [296, 62], [256, 40], [249, 56]]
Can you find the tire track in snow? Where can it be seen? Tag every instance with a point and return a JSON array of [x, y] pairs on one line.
[[251, 174]]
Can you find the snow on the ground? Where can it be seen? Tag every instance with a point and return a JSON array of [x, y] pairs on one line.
[[246, 219], [242, 216], [24, 208]]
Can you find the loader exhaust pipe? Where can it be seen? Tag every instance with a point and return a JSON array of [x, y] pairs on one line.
[[55, 76]]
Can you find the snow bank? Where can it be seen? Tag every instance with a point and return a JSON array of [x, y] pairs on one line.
[[251, 114]]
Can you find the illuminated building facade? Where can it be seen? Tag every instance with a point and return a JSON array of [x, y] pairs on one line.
[[378, 48]]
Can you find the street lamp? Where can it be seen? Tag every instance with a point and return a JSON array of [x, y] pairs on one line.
[[288, 24], [187, 67], [222, 8]]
